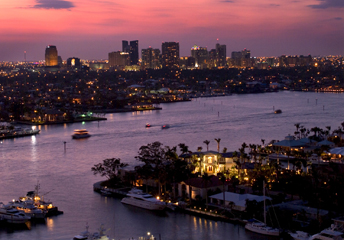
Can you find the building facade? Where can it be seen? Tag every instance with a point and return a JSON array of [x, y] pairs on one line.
[[133, 49], [51, 56], [201, 56], [151, 58], [170, 54], [118, 59]]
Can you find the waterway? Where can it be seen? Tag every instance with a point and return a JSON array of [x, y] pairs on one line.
[[65, 175]]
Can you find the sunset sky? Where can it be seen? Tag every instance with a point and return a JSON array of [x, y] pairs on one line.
[[90, 29]]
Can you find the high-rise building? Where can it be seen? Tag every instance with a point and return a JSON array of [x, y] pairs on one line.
[[201, 56], [150, 58], [221, 55], [170, 54], [132, 49], [212, 63], [74, 63], [51, 56], [118, 59]]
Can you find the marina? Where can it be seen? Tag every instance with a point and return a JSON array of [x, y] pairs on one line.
[[68, 180]]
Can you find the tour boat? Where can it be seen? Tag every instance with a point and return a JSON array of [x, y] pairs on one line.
[[261, 227], [12, 215], [80, 133], [138, 198]]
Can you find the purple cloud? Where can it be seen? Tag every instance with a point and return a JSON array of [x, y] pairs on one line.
[[53, 4], [328, 4]]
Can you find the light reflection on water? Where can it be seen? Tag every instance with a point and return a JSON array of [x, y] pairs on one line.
[[67, 177]]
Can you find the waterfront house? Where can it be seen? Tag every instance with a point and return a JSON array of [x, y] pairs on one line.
[[194, 187], [212, 162], [235, 201]]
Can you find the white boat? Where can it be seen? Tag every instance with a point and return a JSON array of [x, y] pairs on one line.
[[300, 235], [138, 198], [13, 215], [99, 235], [28, 208], [33, 197], [328, 234], [261, 227], [80, 133]]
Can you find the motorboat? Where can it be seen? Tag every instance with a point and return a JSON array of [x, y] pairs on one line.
[[12, 215], [138, 198], [300, 235], [261, 227], [80, 133], [278, 111], [28, 208], [148, 125], [99, 235], [328, 234], [166, 126]]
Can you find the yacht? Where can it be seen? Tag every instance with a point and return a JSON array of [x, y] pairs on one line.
[[28, 208], [261, 227], [328, 234], [80, 133], [100, 235], [138, 198], [300, 235], [13, 215]]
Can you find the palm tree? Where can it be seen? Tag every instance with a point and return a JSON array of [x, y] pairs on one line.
[[183, 148], [206, 179], [263, 141], [218, 143], [207, 143], [223, 180]]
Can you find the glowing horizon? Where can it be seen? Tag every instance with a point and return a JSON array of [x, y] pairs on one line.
[[90, 29]]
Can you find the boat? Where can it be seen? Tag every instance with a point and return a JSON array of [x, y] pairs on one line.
[[278, 111], [328, 234], [261, 227], [33, 197], [166, 126], [100, 235], [300, 235], [148, 125], [12, 215], [9, 132], [80, 133], [28, 208], [138, 198]]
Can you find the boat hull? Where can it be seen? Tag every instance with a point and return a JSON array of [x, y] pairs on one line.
[[262, 229], [144, 204]]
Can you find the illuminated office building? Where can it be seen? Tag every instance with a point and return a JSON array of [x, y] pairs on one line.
[[132, 49], [51, 56], [151, 58], [221, 55], [201, 56], [118, 59], [170, 54]]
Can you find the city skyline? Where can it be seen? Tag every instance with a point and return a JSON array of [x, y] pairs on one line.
[[90, 30]]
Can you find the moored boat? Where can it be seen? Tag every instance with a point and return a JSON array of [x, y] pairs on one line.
[[99, 235], [12, 215], [28, 208], [138, 198]]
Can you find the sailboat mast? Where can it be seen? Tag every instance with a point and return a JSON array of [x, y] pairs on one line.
[[264, 202]]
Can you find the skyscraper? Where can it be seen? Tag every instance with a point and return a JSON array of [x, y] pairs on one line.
[[51, 56], [132, 49], [170, 54], [201, 56], [150, 58], [118, 59], [221, 55]]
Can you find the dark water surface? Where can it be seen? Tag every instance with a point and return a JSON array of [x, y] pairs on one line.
[[67, 179]]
